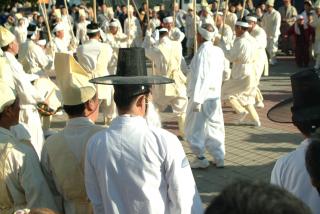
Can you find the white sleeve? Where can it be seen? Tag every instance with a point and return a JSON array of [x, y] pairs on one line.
[[276, 173], [182, 190], [91, 181]]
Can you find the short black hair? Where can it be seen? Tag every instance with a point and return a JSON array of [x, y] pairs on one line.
[[313, 160], [124, 95], [5, 48], [75, 110], [93, 26], [247, 197]]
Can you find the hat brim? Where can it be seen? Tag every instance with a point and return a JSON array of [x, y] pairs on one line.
[[281, 112], [131, 80]]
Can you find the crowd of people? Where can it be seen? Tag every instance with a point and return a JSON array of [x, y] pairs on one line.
[[70, 59]]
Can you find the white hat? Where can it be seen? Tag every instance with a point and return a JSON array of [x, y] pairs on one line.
[[113, 24], [82, 12], [57, 13], [8, 96], [242, 24], [300, 17], [207, 35], [163, 29], [168, 19], [156, 8], [58, 27], [270, 2], [251, 18], [42, 42], [6, 37], [219, 13], [190, 6], [18, 16], [73, 80]]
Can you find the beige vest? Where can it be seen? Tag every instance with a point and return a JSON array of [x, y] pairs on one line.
[[173, 61], [69, 173]]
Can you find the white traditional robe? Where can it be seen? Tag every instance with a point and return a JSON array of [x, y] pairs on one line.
[[22, 185], [231, 19], [81, 33], [133, 168], [61, 45], [206, 128], [167, 65], [271, 23], [290, 173], [29, 97], [242, 82], [34, 59], [175, 34], [20, 33], [67, 180], [133, 31]]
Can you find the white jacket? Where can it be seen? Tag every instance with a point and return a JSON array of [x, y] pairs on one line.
[[271, 24], [132, 168]]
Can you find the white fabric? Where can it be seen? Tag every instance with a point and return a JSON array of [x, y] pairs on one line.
[[133, 31], [206, 128], [146, 171], [271, 24], [28, 97], [175, 34], [242, 24], [20, 33], [290, 173], [34, 59], [59, 27], [168, 19], [251, 18], [207, 20], [207, 35], [61, 45], [81, 33]]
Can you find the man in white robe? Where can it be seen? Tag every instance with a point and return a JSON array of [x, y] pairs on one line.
[[151, 174], [175, 33], [81, 33], [240, 89], [262, 65], [60, 43], [167, 57], [95, 56], [63, 153], [204, 127], [271, 23], [27, 93], [22, 184], [132, 29]]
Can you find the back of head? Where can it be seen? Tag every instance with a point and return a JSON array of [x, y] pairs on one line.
[[313, 160], [244, 197]]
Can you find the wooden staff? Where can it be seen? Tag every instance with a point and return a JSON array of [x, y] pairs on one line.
[[95, 11], [69, 22], [148, 15], [136, 8], [195, 46], [243, 8], [224, 17], [174, 13], [46, 21], [218, 7]]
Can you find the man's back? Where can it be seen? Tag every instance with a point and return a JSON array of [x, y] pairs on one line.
[[63, 161], [132, 168]]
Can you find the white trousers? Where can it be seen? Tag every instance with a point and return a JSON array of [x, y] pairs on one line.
[[272, 46], [205, 129]]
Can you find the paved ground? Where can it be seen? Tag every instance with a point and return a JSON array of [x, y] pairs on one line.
[[251, 152]]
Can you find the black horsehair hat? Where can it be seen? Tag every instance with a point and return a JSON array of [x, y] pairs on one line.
[[304, 105], [131, 70], [132, 78]]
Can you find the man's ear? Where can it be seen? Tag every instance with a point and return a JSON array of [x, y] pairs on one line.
[[140, 101]]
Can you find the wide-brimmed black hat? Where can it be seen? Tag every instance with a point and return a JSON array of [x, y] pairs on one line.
[[304, 105], [132, 70]]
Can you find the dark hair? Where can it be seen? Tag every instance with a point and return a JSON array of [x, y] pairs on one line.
[[93, 26], [75, 110], [5, 48], [124, 95], [246, 197], [307, 127], [313, 161]]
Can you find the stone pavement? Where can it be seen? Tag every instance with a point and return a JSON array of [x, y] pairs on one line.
[[250, 152]]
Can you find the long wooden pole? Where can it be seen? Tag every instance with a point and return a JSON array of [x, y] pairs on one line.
[[243, 8], [95, 11], [218, 7], [136, 8], [195, 47], [46, 21], [69, 22], [224, 17]]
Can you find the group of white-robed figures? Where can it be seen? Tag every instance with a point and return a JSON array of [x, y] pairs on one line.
[[201, 99]]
